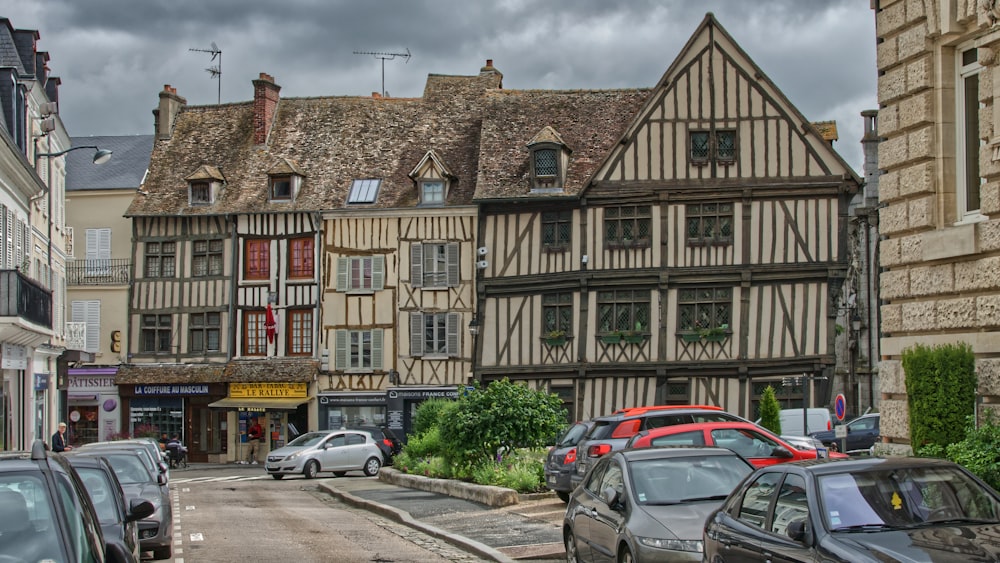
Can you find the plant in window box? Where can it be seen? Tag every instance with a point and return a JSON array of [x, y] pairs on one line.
[[715, 334], [555, 337], [636, 336], [613, 337]]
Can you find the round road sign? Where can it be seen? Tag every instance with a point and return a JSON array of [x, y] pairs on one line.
[[840, 406]]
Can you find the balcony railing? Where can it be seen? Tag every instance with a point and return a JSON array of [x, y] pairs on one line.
[[22, 297], [112, 271]]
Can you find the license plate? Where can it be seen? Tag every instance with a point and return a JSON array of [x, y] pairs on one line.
[[551, 479]]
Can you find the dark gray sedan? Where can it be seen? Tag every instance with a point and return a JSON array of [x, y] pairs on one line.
[[649, 504], [560, 463], [866, 510]]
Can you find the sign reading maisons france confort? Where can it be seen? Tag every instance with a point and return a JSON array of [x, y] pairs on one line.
[[267, 390]]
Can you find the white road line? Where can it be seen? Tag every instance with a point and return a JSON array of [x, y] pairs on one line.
[[197, 537]]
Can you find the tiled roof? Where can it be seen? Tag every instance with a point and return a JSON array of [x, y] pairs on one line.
[[9, 55], [243, 371], [169, 373], [128, 164]]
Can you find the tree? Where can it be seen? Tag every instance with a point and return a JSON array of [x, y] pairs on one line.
[[770, 411], [497, 420]]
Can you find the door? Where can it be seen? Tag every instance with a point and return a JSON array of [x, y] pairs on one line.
[[606, 520], [790, 507], [581, 510], [355, 452], [861, 433], [757, 448], [740, 533], [332, 456]]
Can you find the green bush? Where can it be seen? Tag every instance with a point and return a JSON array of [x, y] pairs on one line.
[[428, 413], [424, 445], [979, 452], [940, 392], [770, 411], [523, 471]]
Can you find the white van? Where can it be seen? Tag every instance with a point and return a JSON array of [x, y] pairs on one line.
[[818, 419]]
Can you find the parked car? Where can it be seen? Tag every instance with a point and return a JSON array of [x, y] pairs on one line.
[[138, 481], [864, 510], [385, 439], [862, 433], [152, 455], [817, 420], [611, 433], [649, 504], [45, 512], [336, 451], [117, 516], [757, 445], [560, 463], [805, 443]]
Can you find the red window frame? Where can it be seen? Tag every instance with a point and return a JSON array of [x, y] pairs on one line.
[[257, 259], [254, 333], [300, 332], [301, 253]]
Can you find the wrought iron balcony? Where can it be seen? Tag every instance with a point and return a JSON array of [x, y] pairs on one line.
[[22, 297], [112, 271]]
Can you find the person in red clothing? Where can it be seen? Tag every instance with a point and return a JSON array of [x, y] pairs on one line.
[[254, 434]]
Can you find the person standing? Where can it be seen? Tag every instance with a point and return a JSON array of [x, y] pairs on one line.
[[253, 437], [60, 443]]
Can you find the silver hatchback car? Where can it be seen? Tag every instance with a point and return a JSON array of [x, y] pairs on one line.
[[335, 451]]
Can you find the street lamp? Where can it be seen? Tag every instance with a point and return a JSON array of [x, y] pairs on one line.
[[474, 325], [100, 155]]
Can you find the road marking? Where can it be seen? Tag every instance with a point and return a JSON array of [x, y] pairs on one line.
[[221, 479], [197, 537], [189, 507]]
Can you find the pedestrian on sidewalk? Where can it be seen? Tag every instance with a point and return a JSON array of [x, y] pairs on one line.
[[59, 441], [253, 437]]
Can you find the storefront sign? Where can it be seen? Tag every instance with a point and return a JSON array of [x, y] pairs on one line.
[[353, 399], [171, 389], [41, 381], [14, 356], [91, 383], [268, 390]]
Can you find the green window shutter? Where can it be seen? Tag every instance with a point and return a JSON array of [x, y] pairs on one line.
[[416, 264], [452, 255], [453, 326], [416, 334], [343, 273], [378, 272], [376, 348], [340, 349]]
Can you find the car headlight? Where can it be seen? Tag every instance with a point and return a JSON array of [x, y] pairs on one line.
[[673, 545], [290, 457]]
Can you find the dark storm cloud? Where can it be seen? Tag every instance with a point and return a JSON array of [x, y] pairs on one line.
[[114, 56]]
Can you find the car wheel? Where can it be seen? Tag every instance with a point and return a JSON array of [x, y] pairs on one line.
[[277, 475], [372, 466], [570, 543], [311, 469], [625, 555], [162, 553], [340, 473], [563, 496]]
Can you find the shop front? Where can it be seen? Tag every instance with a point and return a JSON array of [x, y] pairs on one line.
[[93, 406], [157, 409], [279, 408], [337, 410], [402, 403]]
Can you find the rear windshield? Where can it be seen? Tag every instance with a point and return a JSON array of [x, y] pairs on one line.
[[573, 435], [602, 429]]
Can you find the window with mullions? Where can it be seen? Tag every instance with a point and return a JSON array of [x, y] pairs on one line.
[[709, 222], [432, 192], [360, 273], [545, 162], [434, 334], [155, 331], [206, 258], [358, 349], [706, 146], [704, 308], [300, 261], [556, 229], [300, 331], [254, 333], [160, 258], [677, 393], [557, 312], [201, 193], [257, 256], [205, 331], [623, 310], [789, 396], [628, 225], [434, 265]]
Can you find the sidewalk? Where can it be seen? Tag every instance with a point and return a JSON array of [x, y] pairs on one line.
[[530, 529]]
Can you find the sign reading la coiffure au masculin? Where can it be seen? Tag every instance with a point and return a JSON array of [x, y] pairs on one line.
[[268, 390]]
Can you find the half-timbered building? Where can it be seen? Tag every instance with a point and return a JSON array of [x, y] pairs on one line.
[[683, 244]]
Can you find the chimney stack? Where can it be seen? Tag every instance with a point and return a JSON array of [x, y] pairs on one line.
[[164, 116], [265, 102], [490, 70]]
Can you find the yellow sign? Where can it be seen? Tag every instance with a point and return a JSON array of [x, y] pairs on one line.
[[268, 390]]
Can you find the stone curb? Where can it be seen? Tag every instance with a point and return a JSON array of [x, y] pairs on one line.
[[404, 517], [489, 495]]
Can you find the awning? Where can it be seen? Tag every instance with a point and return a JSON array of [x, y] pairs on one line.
[[233, 402]]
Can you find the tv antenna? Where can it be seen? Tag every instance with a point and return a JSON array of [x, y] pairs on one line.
[[215, 71], [384, 56]]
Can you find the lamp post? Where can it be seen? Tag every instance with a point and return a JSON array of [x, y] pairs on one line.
[[474, 332]]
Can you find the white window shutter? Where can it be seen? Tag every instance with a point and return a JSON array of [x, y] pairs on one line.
[[340, 349], [453, 274], [89, 312], [454, 325], [376, 348], [416, 334], [416, 264], [104, 244], [343, 273], [92, 244], [378, 272]]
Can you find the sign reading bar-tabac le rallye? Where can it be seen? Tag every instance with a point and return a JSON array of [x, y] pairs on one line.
[[267, 390]]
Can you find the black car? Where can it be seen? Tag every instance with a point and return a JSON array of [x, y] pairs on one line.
[[862, 432], [857, 510], [45, 512], [387, 442], [560, 462], [117, 516]]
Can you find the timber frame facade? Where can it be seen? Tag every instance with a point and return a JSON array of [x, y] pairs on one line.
[[696, 256]]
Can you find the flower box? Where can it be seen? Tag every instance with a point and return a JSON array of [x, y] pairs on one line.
[[555, 340], [634, 338], [716, 337], [690, 336], [613, 338]]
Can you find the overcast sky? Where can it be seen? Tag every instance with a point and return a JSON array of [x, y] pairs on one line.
[[114, 56]]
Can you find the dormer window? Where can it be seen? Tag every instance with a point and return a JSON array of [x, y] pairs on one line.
[[281, 188], [548, 159], [433, 179], [284, 180], [432, 192], [204, 185]]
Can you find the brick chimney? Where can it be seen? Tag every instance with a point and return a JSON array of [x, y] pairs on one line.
[[265, 102], [164, 116], [490, 70]]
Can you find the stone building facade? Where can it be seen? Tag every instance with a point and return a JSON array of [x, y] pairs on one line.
[[940, 191]]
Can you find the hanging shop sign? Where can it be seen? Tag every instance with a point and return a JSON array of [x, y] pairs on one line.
[[268, 390]]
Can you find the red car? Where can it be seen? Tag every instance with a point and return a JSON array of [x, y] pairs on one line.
[[757, 445]]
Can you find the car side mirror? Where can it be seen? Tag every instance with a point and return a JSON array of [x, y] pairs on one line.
[[164, 467], [161, 478], [611, 497], [138, 509], [798, 530], [782, 452]]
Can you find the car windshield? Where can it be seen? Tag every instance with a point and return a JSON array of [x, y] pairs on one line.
[[309, 439], [904, 498], [677, 480], [25, 517], [128, 468]]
